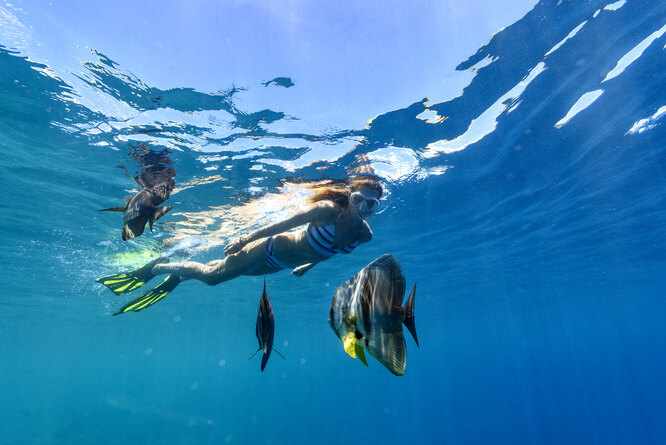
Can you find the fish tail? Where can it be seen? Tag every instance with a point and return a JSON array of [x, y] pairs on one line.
[[264, 359], [408, 311]]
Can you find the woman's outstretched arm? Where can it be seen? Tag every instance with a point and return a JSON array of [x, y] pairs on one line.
[[322, 212]]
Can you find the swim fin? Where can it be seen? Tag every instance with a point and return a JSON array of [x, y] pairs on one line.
[[123, 283], [151, 297]]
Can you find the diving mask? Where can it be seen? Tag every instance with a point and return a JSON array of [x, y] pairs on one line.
[[363, 203]]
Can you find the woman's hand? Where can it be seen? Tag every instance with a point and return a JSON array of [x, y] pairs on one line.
[[235, 246], [300, 270]]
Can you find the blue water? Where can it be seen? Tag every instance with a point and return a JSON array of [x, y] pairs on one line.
[[537, 242]]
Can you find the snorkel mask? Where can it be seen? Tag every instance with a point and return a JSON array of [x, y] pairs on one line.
[[365, 204]]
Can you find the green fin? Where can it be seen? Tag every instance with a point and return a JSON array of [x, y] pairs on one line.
[[151, 297], [123, 283], [361, 354]]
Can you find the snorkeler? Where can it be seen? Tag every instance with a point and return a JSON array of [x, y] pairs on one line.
[[334, 223]]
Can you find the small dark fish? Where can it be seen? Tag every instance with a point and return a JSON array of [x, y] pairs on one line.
[[366, 314], [265, 327], [156, 184], [285, 82]]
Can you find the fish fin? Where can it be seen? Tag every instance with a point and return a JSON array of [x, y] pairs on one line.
[[278, 353], [350, 344], [361, 354], [408, 311], [157, 214], [127, 233], [151, 297], [255, 353], [389, 348], [114, 209], [386, 274]]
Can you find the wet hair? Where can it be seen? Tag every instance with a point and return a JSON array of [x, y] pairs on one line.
[[338, 190], [369, 181]]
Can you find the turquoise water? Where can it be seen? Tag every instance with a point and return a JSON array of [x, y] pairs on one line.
[[529, 210]]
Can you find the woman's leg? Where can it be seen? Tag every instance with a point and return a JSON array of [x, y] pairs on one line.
[[245, 262]]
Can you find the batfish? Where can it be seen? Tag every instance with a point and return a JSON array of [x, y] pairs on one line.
[[366, 314], [156, 186], [265, 327]]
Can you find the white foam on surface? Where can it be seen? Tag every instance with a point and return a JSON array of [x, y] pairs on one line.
[[647, 123]]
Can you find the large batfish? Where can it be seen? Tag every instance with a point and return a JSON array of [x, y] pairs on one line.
[[265, 327], [366, 314], [156, 184]]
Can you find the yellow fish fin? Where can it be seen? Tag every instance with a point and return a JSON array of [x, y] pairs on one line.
[[350, 344]]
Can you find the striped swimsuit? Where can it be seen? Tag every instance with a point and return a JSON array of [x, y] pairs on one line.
[[271, 259], [320, 238]]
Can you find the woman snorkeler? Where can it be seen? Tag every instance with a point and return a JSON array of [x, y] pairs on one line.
[[334, 222]]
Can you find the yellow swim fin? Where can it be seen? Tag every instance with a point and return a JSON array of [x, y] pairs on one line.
[[151, 297], [126, 282]]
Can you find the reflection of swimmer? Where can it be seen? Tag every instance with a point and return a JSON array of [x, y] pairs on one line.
[[333, 223]]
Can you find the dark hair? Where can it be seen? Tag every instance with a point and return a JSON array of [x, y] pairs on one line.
[[338, 190]]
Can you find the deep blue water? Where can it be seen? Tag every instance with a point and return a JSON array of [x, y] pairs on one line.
[[538, 244]]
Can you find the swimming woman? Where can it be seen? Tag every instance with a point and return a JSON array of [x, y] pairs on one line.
[[334, 222]]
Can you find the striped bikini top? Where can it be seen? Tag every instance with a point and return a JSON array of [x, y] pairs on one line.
[[321, 238]]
